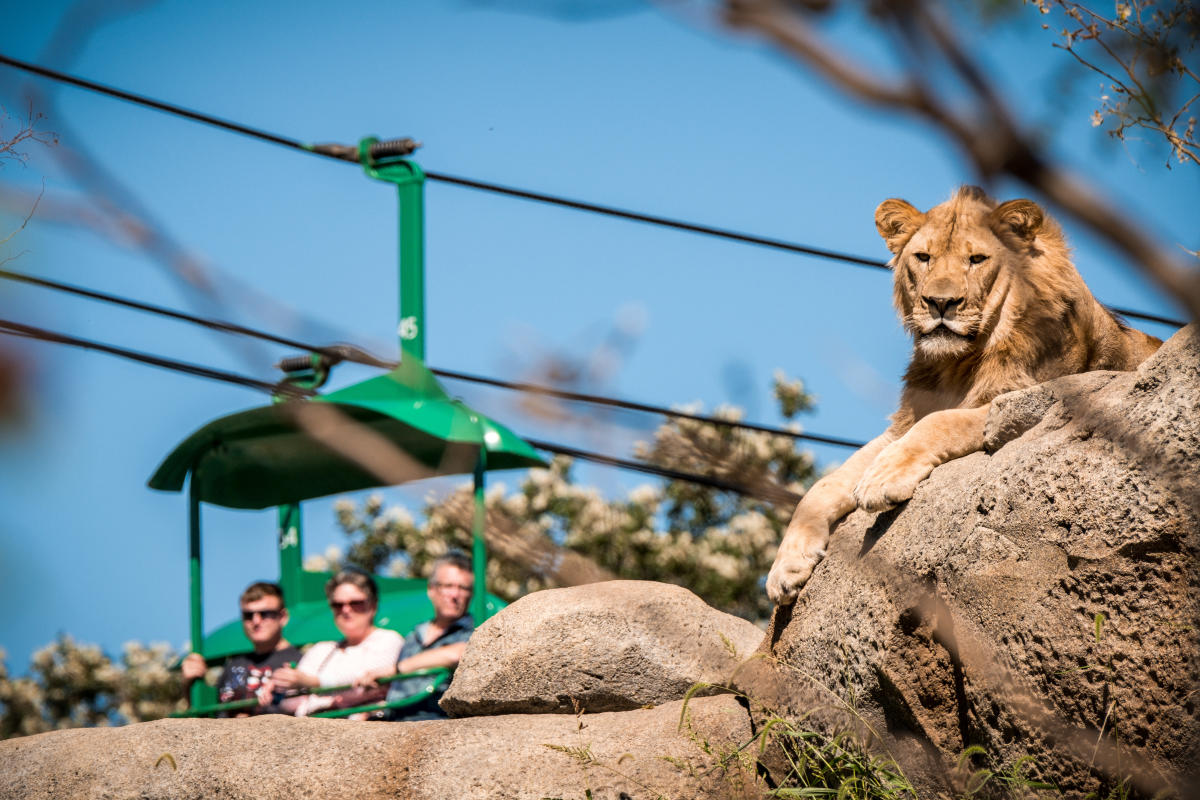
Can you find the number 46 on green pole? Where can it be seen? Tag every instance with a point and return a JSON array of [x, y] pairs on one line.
[[410, 184]]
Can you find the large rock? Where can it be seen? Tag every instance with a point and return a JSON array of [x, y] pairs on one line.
[[645, 753], [603, 647], [1043, 599]]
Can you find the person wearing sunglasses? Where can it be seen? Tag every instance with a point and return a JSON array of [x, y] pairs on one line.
[[353, 599], [263, 617]]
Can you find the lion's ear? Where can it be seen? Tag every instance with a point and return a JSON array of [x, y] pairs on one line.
[[1022, 217], [897, 220]]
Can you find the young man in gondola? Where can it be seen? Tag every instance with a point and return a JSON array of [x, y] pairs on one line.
[[263, 617]]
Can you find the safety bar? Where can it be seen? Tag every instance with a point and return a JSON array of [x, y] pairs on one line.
[[412, 699], [251, 702]]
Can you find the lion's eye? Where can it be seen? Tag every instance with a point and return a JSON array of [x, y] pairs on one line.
[[922, 256], [979, 258]]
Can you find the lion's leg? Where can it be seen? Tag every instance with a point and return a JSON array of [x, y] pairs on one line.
[[935, 439], [829, 499]]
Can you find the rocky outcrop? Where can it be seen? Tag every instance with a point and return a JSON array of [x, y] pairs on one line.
[[1039, 599], [633, 645], [644, 753], [602, 647], [1042, 599]]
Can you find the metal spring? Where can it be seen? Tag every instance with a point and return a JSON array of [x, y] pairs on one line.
[[296, 363], [394, 147]]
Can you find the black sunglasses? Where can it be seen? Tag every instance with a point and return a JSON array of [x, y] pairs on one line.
[[357, 606], [268, 614]]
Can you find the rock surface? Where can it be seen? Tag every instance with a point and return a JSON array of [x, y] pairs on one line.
[[1040, 598], [640, 753], [603, 646], [1043, 599]]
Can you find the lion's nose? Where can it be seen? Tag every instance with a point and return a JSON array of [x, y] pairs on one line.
[[940, 306]]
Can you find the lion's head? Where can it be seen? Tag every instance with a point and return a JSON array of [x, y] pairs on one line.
[[953, 265]]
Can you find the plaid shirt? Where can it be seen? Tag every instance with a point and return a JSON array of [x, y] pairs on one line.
[[459, 631]]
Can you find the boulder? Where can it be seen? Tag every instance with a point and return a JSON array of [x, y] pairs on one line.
[[644, 753], [602, 647], [1041, 599]]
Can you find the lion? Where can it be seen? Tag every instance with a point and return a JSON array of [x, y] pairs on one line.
[[994, 304]]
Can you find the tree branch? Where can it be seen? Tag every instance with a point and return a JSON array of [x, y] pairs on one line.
[[995, 148]]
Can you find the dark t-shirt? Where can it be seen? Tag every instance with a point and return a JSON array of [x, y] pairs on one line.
[[243, 675]]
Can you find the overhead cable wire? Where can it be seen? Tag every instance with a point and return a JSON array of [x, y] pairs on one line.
[[664, 222], [643, 407], [344, 153], [31, 332], [343, 352], [1143, 315], [769, 492], [141, 100], [227, 327]]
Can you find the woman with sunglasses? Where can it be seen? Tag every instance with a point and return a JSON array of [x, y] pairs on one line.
[[353, 598]]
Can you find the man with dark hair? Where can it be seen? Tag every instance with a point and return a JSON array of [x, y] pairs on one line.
[[437, 643], [263, 618]]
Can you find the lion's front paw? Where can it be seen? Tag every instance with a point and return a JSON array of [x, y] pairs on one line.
[[788, 574], [890, 480]]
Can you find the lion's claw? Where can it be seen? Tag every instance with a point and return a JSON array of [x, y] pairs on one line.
[[789, 574], [880, 495], [889, 481]]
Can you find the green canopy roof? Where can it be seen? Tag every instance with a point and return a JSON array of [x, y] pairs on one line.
[[288, 452]]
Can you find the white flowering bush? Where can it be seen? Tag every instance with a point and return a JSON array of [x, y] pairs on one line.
[[73, 685], [550, 531]]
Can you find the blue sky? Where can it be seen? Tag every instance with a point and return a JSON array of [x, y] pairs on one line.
[[651, 108]]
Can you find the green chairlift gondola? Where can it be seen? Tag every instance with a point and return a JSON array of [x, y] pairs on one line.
[[298, 449]]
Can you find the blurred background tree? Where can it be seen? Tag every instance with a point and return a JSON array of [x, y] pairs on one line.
[[73, 685], [1146, 52], [17, 132]]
